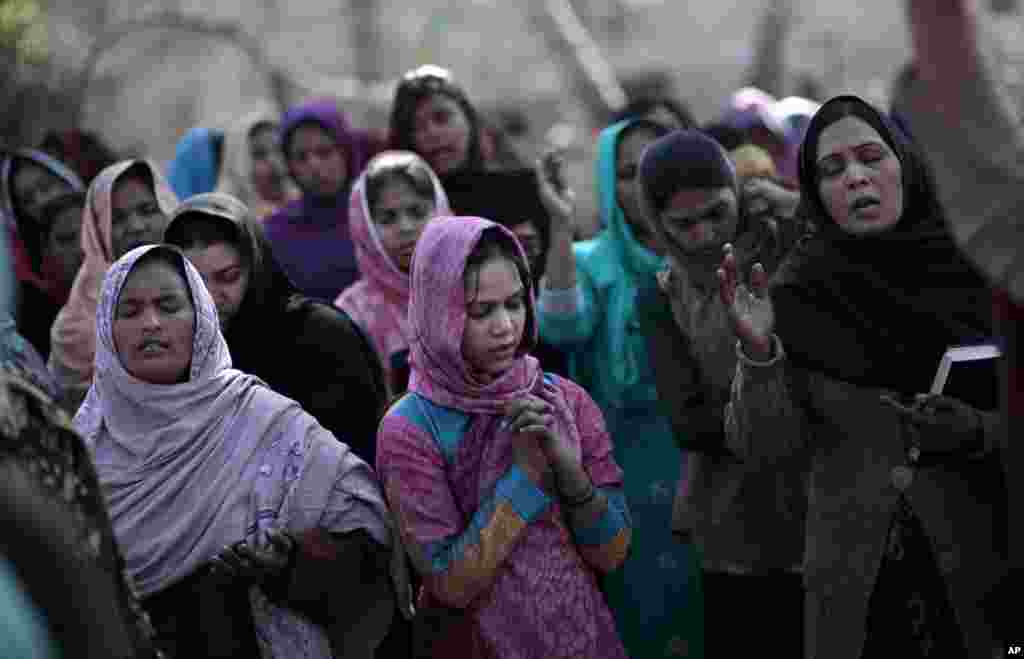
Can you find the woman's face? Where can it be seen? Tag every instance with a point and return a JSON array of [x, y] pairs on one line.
[[702, 220], [136, 216], [400, 214], [631, 147], [33, 186], [532, 244], [64, 247], [226, 276], [154, 323], [495, 316], [269, 174], [860, 179], [442, 133], [317, 161]]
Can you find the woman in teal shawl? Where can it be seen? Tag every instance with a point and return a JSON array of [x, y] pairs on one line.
[[656, 595]]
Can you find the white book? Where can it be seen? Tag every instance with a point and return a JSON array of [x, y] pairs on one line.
[[959, 354]]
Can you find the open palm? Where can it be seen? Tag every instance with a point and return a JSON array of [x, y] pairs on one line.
[[750, 308]]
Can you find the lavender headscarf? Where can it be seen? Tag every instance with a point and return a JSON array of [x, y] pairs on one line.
[[189, 468]]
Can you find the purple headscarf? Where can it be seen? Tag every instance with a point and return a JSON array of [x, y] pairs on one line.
[[310, 236], [189, 468]]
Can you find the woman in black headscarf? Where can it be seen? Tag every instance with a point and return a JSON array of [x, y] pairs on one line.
[[308, 351], [903, 534]]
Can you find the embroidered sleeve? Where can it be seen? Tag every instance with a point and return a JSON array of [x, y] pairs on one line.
[[762, 422], [603, 538], [458, 558]]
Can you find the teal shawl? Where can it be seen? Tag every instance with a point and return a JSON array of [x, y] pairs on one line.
[[608, 354]]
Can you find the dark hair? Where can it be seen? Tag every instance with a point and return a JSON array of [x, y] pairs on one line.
[[55, 207], [422, 83], [729, 137], [497, 242], [86, 152], [404, 167], [637, 126], [644, 105]]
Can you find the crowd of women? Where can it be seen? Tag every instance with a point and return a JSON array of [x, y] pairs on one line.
[[311, 392]]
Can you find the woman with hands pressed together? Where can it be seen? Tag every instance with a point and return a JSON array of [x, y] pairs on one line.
[[501, 476], [904, 534], [246, 527]]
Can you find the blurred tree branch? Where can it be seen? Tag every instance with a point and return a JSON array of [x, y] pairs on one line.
[[768, 70]]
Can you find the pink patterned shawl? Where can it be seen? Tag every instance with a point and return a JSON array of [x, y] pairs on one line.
[[379, 301]]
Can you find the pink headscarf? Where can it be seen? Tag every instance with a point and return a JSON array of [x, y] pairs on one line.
[[437, 319], [374, 264], [379, 301], [74, 333]]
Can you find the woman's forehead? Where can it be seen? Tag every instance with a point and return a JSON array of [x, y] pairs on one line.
[[848, 132]]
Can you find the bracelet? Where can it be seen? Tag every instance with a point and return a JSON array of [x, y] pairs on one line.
[[584, 499]]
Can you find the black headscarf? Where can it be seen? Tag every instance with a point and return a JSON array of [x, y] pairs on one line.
[[507, 197], [305, 349], [877, 310]]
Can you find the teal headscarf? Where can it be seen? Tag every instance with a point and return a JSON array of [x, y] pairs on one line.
[[607, 353], [635, 257]]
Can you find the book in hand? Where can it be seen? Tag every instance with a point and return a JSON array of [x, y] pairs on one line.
[[970, 374]]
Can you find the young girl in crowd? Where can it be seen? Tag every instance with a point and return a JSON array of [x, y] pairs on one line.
[[329, 366], [310, 237], [127, 205], [29, 180], [254, 170], [247, 528], [502, 478], [906, 520], [391, 203], [588, 309]]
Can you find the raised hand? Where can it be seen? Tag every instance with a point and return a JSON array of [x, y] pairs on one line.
[[558, 198], [750, 308]]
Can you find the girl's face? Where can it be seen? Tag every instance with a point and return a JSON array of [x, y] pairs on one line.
[[860, 179], [442, 133], [33, 186], [154, 323], [495, 316], [64, 247], [136, 216], [317, 161], [399, 215], [630, 148], [269, 173], [226, 275]]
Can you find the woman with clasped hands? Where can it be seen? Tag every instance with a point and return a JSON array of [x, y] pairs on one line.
[[901, 537]]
